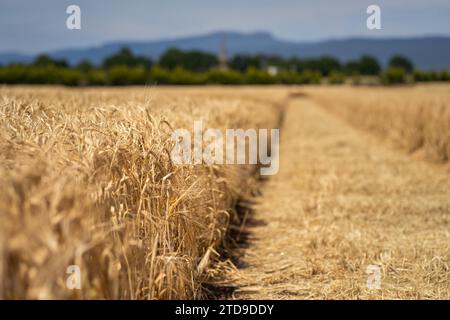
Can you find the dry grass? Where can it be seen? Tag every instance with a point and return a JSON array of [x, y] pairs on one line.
[[86, 179], [416, 119], [341, 202]]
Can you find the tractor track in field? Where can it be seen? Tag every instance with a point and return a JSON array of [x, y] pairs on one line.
[[340, 203]]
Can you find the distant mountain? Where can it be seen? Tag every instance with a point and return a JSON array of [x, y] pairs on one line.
[[425, 52], [10, 57]]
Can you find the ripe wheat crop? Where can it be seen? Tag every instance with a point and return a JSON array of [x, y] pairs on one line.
[[415, 119], [87, 180]]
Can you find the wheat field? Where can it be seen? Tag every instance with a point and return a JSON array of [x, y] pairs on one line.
[[414, 119], [342, 204], [86, 179]]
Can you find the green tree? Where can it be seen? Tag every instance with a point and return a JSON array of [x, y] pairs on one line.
[[196, 61], [85, 66], [393, 75], [336, 77], [44, 60], [242, 62], [218, 76], [352, 67], [171, 59], [366, 65], [255, 76], [402, 62], [124, 75], [126, 58], [326, 64]]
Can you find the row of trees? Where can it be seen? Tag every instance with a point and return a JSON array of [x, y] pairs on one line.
[[123, 75], [198, 61], [197, 67]]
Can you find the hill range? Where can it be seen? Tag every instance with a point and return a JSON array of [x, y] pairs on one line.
[[426, 52]]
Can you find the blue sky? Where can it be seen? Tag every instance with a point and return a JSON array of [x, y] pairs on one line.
[[36, 26]]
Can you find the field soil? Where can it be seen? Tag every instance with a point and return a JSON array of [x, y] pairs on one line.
[[343, 201]]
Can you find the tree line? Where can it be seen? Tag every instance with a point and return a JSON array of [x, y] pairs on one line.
[[196, 67]]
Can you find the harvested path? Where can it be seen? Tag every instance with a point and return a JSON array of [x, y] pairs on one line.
[[341, 202]]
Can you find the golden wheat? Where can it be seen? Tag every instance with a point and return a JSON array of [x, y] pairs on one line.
[[87, 179], [416, 119]]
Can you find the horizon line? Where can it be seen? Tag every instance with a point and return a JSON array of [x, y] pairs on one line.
[[204, 34]]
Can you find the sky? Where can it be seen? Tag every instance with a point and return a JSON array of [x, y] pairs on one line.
[[39, 26]]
